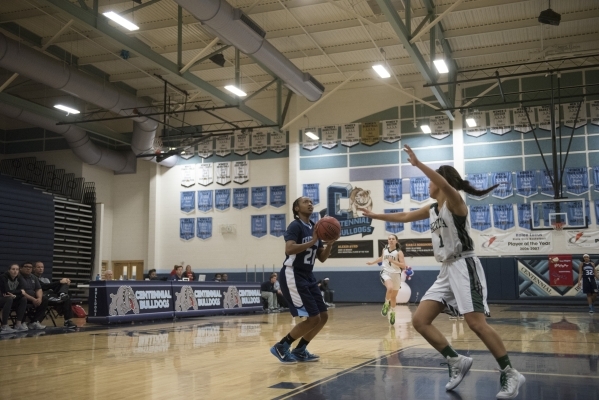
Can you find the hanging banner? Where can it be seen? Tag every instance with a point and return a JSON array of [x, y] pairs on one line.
[[259, 196], [440, 127], [521, 120], [570, 111], [594, 115], [223, 172], [596, 178], [505, 188], [503, 216], [560, 270], [480, 217], [307, 142], [392, 190], [371, 134], [205, 200], [544, 113], [537, 242], [259, 142], [204, 228], [206, 148], [526, 183], [278, 196], [188, 153], [240, 198], [223, 145], [314, 217], [419, 189], [241, 171], [222, 199], [350, 135], [278, 141], [546, 185], [391, 132], [329, 136], [312, 191], [500, 121], [576, 215], [480, 128], [205, 174], [188, 201], [189, 176], [584, 240], [186, 228], [525, 216], [242, 143], [277, 225], [479, 182], [258, 226], [393, 227], [577, 180], [420, 226]]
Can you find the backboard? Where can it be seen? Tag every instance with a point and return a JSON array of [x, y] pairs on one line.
[[559, 214]]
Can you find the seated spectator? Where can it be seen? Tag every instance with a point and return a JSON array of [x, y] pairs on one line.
[[268, 292], [224, 278], [217, 277], [32, 290], [11, 298], [174, 271], [57, 293], [280, 297], [152, 275], [327, 293], [178, 274], [108, 275], [189, 274]]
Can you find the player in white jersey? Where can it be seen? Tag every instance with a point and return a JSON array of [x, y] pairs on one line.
[[460, 286], [393, 263]]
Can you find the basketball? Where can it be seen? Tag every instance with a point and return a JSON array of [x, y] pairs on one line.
[[328, 228]]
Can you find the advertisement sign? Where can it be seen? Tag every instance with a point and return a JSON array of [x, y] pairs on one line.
[[197, 298], [560, 270], [517, 242], [352, 249], [417, 247]]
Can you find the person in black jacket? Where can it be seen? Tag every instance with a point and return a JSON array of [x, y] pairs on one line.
[[11, 297], [32, 290], [268, 292], [57, 293]]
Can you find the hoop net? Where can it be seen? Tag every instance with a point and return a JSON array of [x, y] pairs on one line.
[[558, 226], [157, 145]]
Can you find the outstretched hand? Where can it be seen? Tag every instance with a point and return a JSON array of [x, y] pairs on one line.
[[412, 159], [366, 212]]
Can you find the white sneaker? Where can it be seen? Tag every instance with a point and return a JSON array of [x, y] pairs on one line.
[[36, 325], [21, 328], [7, 329], [458, 368], [511, 380]]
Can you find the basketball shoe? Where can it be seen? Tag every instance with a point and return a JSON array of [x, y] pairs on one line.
[[385, 309], [511, 380], [282, 352], [303, 355], [392, 318], [458, 368]]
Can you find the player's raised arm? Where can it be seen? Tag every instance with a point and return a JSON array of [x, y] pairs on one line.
[[410, 216]]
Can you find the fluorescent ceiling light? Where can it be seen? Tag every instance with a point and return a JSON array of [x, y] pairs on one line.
[[312, 135], [471, 122], [69, 110], [382, 71], [236, 91], [425, 128], [121, 21], [441, 66]]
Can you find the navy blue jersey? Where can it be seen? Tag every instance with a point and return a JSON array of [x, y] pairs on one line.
[[588, 271], [300, 232]]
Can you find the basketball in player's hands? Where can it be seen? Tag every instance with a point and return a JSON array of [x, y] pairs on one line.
[[327, 229]]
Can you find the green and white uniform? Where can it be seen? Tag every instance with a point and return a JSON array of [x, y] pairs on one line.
[[390, 271]]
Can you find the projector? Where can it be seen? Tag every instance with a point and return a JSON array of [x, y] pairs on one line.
[[549, 17]]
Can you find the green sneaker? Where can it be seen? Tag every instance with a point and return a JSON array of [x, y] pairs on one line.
[[392, 318], [385, 309]]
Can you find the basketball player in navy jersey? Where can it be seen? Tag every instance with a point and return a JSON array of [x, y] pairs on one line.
[[299, 286], [586, 278]]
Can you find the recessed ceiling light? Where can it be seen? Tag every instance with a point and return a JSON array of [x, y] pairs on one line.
[[69, 110], [236, 91], [121, 21], [382, 71], [471, 122], [425, 128], [312, 135], [441, 66]]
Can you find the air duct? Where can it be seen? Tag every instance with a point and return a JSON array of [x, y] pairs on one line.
[[41, 68], [235, 28]]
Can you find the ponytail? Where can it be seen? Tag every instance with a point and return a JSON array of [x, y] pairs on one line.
[[452, 177], [468, 188]]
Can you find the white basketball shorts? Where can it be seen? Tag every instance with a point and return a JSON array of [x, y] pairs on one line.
[[395, 278]]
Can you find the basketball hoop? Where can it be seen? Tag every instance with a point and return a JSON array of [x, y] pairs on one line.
[[157, 145], [558, 226]]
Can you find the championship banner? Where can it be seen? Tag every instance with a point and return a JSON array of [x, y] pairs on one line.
[[188, 201], [241, 171], [560, 270], [259, 196], [576, 216], [521, 120], [240, 198], [205, 200], [480, 217], [503, 216], [206, 148], [570, 111], [204, 228], [223, 145], [314, 217], [526, 183], [311, 191], [371, 134], [525, 216], [188, 153], [594, 115], [189, 176], [223, 172], [479, 182], [596, 178], [307, 142], [419, 189], [330, 136], [420, 226], [393, 227], [350, 135], [440, 127], [259, 142], [352, 249], [186, 228], [582, 239], [391, 132], [544, 113], [417, 247], [205, 174], [278, 141], [537, 242], [505, 188], [392, 190], [500, 121], [480, 129], [546, 185], [258, 226], [242, 143], [577, 180], [278, 225], [222, 199], [278, 196]]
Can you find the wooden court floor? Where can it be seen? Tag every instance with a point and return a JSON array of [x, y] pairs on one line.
[[362, 357]]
